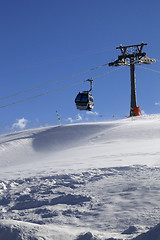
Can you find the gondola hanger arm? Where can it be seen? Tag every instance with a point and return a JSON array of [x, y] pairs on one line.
[[91, 83]]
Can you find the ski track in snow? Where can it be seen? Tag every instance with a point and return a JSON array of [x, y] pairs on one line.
[[81, 182]]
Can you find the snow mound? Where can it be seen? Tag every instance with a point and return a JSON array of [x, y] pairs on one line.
[[130, 230], [12, 230], [24, 148], [16, 230], [153, 234], [86, 236]]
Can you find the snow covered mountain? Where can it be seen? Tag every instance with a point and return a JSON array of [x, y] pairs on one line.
[[82, 181]]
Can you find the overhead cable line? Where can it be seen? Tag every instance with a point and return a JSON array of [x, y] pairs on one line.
[[149, 69], [107, 73], [56, 90], [47, 84], [40, 95]]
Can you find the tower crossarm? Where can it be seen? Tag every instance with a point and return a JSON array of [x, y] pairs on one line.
[[132, 54]]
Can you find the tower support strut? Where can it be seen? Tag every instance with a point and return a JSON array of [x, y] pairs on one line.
[[133, 88]]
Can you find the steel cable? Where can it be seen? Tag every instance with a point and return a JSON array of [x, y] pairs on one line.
[[47, 84], [56, 90], [149, 69]]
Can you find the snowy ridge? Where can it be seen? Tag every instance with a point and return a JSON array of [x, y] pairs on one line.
[[91, 181], [44, 141]]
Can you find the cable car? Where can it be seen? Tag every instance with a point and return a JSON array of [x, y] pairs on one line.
[[84, 100]]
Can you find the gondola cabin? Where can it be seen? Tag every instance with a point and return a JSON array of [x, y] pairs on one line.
[[84, 101]]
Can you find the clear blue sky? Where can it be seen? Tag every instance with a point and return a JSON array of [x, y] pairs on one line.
[[46, 40]]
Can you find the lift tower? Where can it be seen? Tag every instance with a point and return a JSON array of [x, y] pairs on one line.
[[131, 55]]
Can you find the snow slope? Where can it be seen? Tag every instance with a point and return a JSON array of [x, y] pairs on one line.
[[81, 181]]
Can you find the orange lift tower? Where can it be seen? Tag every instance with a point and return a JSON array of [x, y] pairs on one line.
[[131, 55]]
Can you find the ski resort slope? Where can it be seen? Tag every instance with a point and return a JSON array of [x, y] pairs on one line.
[[81, 181], [81, 146]]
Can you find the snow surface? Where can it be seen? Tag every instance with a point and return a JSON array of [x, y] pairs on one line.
[[90, 181]]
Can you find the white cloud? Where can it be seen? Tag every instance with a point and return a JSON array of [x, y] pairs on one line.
[[20, 123], [70, 120], [78, 118], [157, 103], [92, 113]]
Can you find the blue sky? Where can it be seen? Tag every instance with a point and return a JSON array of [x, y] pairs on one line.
[[46, 40]]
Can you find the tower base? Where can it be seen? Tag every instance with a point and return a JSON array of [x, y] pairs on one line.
[[136, 111]]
